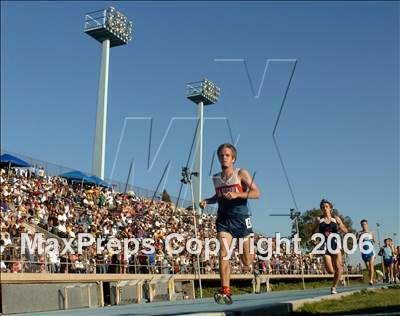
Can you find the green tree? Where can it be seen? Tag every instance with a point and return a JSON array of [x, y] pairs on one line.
[[308, 226], [165, 197]]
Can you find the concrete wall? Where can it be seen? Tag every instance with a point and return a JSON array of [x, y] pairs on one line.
[[21, 298], [129, 295]]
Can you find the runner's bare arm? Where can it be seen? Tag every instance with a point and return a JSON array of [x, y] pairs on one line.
[[374, 237], [342, 226], [394, 252], [253, 192], [211, 200]]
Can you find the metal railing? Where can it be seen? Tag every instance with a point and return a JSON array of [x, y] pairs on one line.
[[44, 266], [96, 19]]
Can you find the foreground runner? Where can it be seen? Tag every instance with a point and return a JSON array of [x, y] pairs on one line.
[[328, 224], [233, 186], [368, 253]]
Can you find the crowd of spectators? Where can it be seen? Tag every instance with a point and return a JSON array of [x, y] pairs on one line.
[[34, 202]]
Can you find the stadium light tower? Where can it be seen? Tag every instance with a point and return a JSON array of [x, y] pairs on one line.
[[202, 93], [111, 28]]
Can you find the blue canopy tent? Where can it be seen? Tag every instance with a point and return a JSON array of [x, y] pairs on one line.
[[79, 176], [101, 183], [7, 160]]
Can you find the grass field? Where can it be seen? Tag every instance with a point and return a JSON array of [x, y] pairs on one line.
[[382, 300]]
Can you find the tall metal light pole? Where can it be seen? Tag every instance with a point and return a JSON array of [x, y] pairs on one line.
[[202, 93], [378, 226], [111, 28], [294, 216], [187, 178]]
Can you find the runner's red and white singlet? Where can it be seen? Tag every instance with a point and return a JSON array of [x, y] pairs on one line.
[[230, 208]]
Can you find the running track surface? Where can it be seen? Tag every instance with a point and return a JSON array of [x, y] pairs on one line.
[[198, 306]]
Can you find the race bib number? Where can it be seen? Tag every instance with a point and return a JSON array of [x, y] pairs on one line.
[[248, 223]]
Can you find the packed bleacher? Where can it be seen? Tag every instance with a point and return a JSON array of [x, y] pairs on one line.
[[34, 202]]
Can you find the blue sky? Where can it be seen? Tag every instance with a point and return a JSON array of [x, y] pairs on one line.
[[338, 133]]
